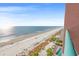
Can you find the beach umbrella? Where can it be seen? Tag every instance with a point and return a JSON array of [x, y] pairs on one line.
[[69, 49]]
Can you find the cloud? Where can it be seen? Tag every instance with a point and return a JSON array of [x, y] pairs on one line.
[[26, 20], [14, 9], [41, 22], [19, 16]]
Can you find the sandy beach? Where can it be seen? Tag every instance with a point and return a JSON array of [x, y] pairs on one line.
[[13, 47]]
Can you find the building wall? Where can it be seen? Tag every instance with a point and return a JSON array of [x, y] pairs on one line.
[[72, 23]]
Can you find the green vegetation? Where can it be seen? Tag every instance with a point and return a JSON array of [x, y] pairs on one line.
[[34, 53], [53, 38], [59, 44], [56, 40], [49, 52]]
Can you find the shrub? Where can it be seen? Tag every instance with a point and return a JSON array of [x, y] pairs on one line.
[[49, 52], [57, 40], [58, 43], [53, 38], [35, 53]]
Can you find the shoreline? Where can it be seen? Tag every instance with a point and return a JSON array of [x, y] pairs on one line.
[[18, 44], [22, 37]]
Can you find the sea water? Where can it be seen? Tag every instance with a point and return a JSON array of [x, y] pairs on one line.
[[24, 30]]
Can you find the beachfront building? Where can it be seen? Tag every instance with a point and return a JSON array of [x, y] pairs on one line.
[[71, 30]]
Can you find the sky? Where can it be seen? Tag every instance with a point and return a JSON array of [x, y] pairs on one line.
[[32, 14]]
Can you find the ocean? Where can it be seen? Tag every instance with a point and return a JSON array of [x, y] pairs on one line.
[[24, 30]]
